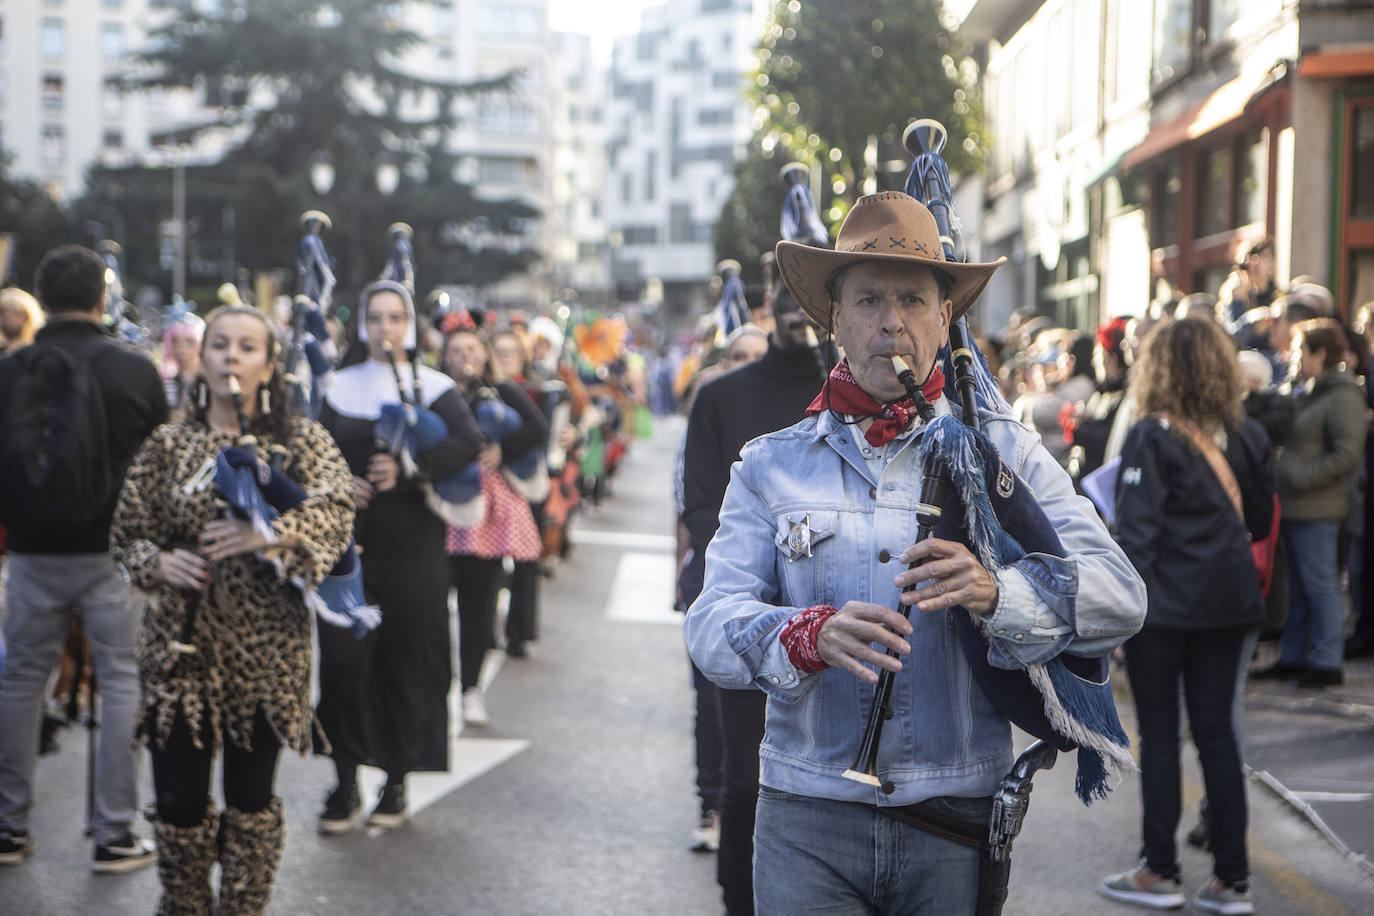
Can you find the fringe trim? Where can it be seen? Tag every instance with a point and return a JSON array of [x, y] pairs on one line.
[[360, 618], [1114, 750], [459, 515]]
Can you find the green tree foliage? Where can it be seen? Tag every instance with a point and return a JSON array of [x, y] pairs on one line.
[[293, 81], [832, 75]]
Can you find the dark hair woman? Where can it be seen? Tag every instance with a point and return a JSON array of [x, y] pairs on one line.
[[506, 527], [245, 690], [1195, 488]]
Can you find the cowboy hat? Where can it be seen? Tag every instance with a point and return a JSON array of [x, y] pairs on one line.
[[892, 227], [318, 216]]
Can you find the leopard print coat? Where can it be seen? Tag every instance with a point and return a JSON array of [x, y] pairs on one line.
[[252, 628]]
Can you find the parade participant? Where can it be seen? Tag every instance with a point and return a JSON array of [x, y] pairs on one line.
[[732, 311], [506, 528], [59, 542], [762, 396], [1089, 423], [808, 562], [224, 655], [1322, 453], [20, 319], [181, 357], [522, 619], [383, 699], [1196, 487]]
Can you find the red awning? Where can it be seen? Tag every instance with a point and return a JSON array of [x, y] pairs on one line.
[[1337, 62], [1226, 103]]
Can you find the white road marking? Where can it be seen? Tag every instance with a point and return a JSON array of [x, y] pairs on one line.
[[1335, 796], [598, 538], [642, 591]]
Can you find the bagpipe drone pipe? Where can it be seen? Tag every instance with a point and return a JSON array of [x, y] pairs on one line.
[[1067, 701]]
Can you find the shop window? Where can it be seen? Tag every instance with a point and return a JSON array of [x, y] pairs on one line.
[[1214, 191], [1167, 190], [1362, 163], [1252, 176]]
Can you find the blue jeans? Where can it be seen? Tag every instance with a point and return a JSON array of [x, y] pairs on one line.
[[817, 856], [1312, 636], [40, 594]]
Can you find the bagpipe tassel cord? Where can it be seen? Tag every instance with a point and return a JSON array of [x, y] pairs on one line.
[[1082, 711]]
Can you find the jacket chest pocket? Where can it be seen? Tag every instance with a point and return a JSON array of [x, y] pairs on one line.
[[807, 556]]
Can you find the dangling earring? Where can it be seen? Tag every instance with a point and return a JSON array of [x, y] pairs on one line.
[[264, 399], [202, 392]]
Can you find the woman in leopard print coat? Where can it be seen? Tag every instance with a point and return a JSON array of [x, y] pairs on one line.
[[245, 690]]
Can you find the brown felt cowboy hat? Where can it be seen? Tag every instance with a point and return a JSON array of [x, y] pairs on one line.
[[890, 226]]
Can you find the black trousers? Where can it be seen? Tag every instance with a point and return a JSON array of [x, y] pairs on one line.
[[707, 732], [741, 721], [1157, 658], [477, 580], [522, 623], [181, 772]]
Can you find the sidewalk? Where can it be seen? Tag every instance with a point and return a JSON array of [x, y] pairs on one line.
[[1315, 750]]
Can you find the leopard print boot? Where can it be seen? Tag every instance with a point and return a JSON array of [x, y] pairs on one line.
[[249, 849], [184, 858]]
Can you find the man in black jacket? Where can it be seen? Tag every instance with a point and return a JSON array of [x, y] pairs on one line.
[[47, 577], [762, 397]]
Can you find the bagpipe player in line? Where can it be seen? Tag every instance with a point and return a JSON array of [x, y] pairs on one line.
[[224, 650], [811, 558]]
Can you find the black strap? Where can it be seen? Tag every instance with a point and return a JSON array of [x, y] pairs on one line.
[[946, 826]]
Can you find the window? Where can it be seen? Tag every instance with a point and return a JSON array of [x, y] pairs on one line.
[[679, 223], [505, 116], [112, 139], [111, 41], [1173, 44], [1168, 186], [53, 92], [1252, 177], [641, 235], [725, 80], [1214, 191], [710, 116], [52, 38], [1362, 163], [111, 101], [507, 19], [112, 4], [650, 175], [443, 21], [53, 147], [505, 169], [1221, 15]]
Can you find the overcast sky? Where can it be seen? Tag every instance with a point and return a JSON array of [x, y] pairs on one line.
[[602, 19]]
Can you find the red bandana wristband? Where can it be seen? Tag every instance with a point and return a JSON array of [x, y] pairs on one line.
[[841, 393], [800, 635]]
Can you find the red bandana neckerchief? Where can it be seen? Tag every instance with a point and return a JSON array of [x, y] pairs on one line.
[[841, 393]]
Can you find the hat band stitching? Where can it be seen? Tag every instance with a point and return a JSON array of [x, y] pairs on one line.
[[897, 243]]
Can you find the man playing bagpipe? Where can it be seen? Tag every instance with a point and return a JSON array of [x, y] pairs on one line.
[[812, 554]]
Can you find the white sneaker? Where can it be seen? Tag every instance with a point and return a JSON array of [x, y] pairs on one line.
[[475, 707], [706, 835]]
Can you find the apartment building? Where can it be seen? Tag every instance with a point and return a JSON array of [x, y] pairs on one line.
[[1123, 166], [678, 121]]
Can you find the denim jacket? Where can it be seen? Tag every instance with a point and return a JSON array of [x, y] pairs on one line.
[[944, 738]]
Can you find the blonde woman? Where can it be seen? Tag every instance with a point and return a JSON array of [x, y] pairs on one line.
[[20, 319]]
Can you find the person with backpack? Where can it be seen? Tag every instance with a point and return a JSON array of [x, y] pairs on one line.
[[74, 408]]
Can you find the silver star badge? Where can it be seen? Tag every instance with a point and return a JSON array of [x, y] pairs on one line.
[[799, 537]]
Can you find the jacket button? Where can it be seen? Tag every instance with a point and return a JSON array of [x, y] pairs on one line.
[[872, 492], [884, 556], [888, 788]]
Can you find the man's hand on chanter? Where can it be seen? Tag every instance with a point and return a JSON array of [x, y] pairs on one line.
[[949, 574], [845, 640]]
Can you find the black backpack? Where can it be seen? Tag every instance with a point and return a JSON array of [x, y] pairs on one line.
[[56, 473]]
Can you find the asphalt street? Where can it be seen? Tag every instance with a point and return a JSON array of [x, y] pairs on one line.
[[579, 797]]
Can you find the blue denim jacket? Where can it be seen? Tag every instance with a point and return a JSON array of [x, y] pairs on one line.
[[944, 738]]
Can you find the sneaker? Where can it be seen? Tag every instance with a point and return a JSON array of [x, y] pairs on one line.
[[706, 835], [475, 707], [517, 650], [1321, 677], [1200, 836], [341, 810], [391, 808], [124, 854], [1216, 897], [47, 733], [1144, 888], [15, 846]]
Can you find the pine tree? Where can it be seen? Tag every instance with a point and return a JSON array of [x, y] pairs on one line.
[[292, 80]]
